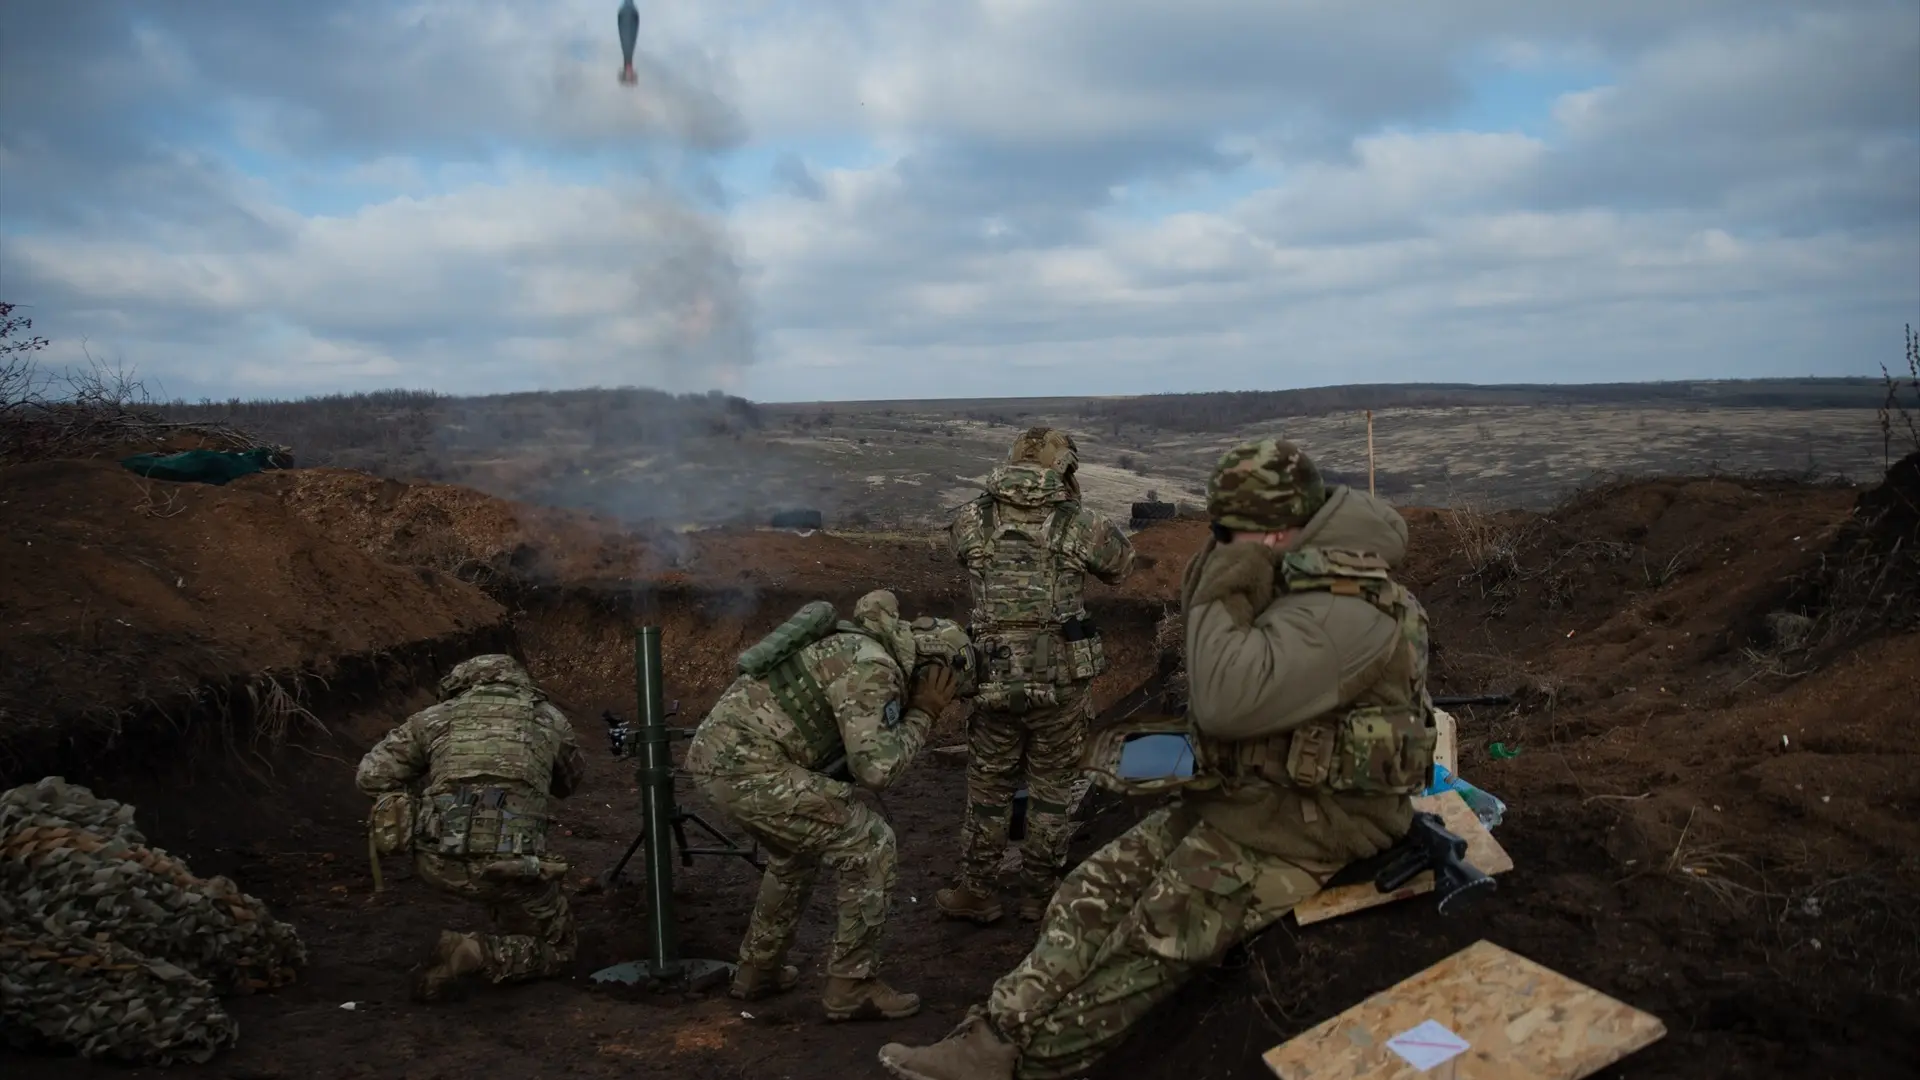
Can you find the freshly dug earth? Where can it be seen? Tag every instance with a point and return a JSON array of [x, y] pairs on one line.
[[121, 596], [1671, 849]]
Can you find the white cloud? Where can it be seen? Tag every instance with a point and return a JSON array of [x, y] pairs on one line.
[[1070, 196]]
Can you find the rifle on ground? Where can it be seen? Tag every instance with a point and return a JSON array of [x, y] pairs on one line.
[[1426, 846], [1450, 701]]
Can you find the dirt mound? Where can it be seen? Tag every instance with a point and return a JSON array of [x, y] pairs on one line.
[[1867, 582], [492, 539], [121, 593]]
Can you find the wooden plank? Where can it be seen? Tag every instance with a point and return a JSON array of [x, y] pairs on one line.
[[1484, 854], [1447, 751], [1517, 1020]]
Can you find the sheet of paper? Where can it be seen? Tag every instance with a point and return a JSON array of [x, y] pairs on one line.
[[1427, 1044]]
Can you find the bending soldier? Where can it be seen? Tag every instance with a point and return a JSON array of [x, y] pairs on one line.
[[467, 785], [1312, 729], [1028, 546], [815, 697]]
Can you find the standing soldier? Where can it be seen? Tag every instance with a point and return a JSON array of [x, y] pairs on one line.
[[1312, 730], [821, 702], [467, 785], [1028, 546]]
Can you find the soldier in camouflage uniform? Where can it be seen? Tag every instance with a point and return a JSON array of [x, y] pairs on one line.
[[1312, 729], [853, 698], [479, 772], [1028, 546]]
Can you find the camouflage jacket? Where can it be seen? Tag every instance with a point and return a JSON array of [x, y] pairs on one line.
[[865, 682], [1020, 591], [506, 735], [1264, 664]]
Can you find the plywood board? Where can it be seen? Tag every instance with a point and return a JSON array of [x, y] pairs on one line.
[[1484, 854], [1446, 750], [1515, 1019]]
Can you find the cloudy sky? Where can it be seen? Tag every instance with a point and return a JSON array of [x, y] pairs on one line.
[[941, 198]]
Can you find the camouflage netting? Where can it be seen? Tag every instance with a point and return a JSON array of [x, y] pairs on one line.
[[115, 949]]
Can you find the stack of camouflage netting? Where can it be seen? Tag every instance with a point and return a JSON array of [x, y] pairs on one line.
[[113, 948]]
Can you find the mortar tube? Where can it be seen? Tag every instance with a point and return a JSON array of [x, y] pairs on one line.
[[657, 804]]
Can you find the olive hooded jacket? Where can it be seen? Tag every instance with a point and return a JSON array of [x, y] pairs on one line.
[[1260, 664]]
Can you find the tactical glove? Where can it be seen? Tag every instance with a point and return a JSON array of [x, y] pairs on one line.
[[1238, 575], [933, 689]]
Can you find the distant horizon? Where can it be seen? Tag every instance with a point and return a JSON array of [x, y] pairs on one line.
[[1875, 382]]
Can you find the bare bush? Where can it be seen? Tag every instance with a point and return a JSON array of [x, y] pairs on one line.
[[1492, 550], [1893, 411]]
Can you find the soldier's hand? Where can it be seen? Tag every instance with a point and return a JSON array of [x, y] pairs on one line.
[[933, 689]]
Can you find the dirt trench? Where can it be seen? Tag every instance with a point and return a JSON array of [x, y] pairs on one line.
[[1672, 850], [286, 823]]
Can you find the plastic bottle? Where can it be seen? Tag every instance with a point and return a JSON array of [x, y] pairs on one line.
[[1486, 806]]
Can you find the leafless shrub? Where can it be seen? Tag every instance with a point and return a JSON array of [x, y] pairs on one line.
[[1492, 550], [1674, 566], [84, 412], [160, 503], [1893, 412]]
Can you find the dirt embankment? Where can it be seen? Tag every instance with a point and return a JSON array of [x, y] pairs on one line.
[[1671, 848], [578, 584], [127, 605]]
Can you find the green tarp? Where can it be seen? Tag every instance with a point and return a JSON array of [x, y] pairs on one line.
[[204, 466]]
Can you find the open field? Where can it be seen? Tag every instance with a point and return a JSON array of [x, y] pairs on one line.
[[702, 460]]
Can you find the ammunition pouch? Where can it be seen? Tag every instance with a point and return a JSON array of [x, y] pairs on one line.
[[1367, 750], [484, 821], [390, 823], [1086, 651], [1025, 668], [1370, 750]]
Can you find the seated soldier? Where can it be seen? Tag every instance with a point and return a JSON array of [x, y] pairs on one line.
[[1312, 730]]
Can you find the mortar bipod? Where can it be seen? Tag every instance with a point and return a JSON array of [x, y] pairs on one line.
[[620, 734]]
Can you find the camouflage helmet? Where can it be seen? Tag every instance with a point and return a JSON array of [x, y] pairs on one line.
[[943, 641], [479, 670], [1046, 447], [1264, 486]]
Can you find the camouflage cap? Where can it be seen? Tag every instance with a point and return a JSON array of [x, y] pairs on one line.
[[879, 612], [944, 640], [1046, 447], [486, 668], [876, 607], [1265, 485]]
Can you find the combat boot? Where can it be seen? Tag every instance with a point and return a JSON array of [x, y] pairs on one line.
[[866, 999], [961, 902], [752, 983], [1033, 908], [453, 958], [972, 1051]]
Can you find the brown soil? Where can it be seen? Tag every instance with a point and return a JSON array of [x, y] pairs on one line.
[[1671, 849], [121, 598]]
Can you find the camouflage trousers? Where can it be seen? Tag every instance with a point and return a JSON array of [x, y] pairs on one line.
[[805, 820], [533, 934], [1044, 746], [1127, 928]]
